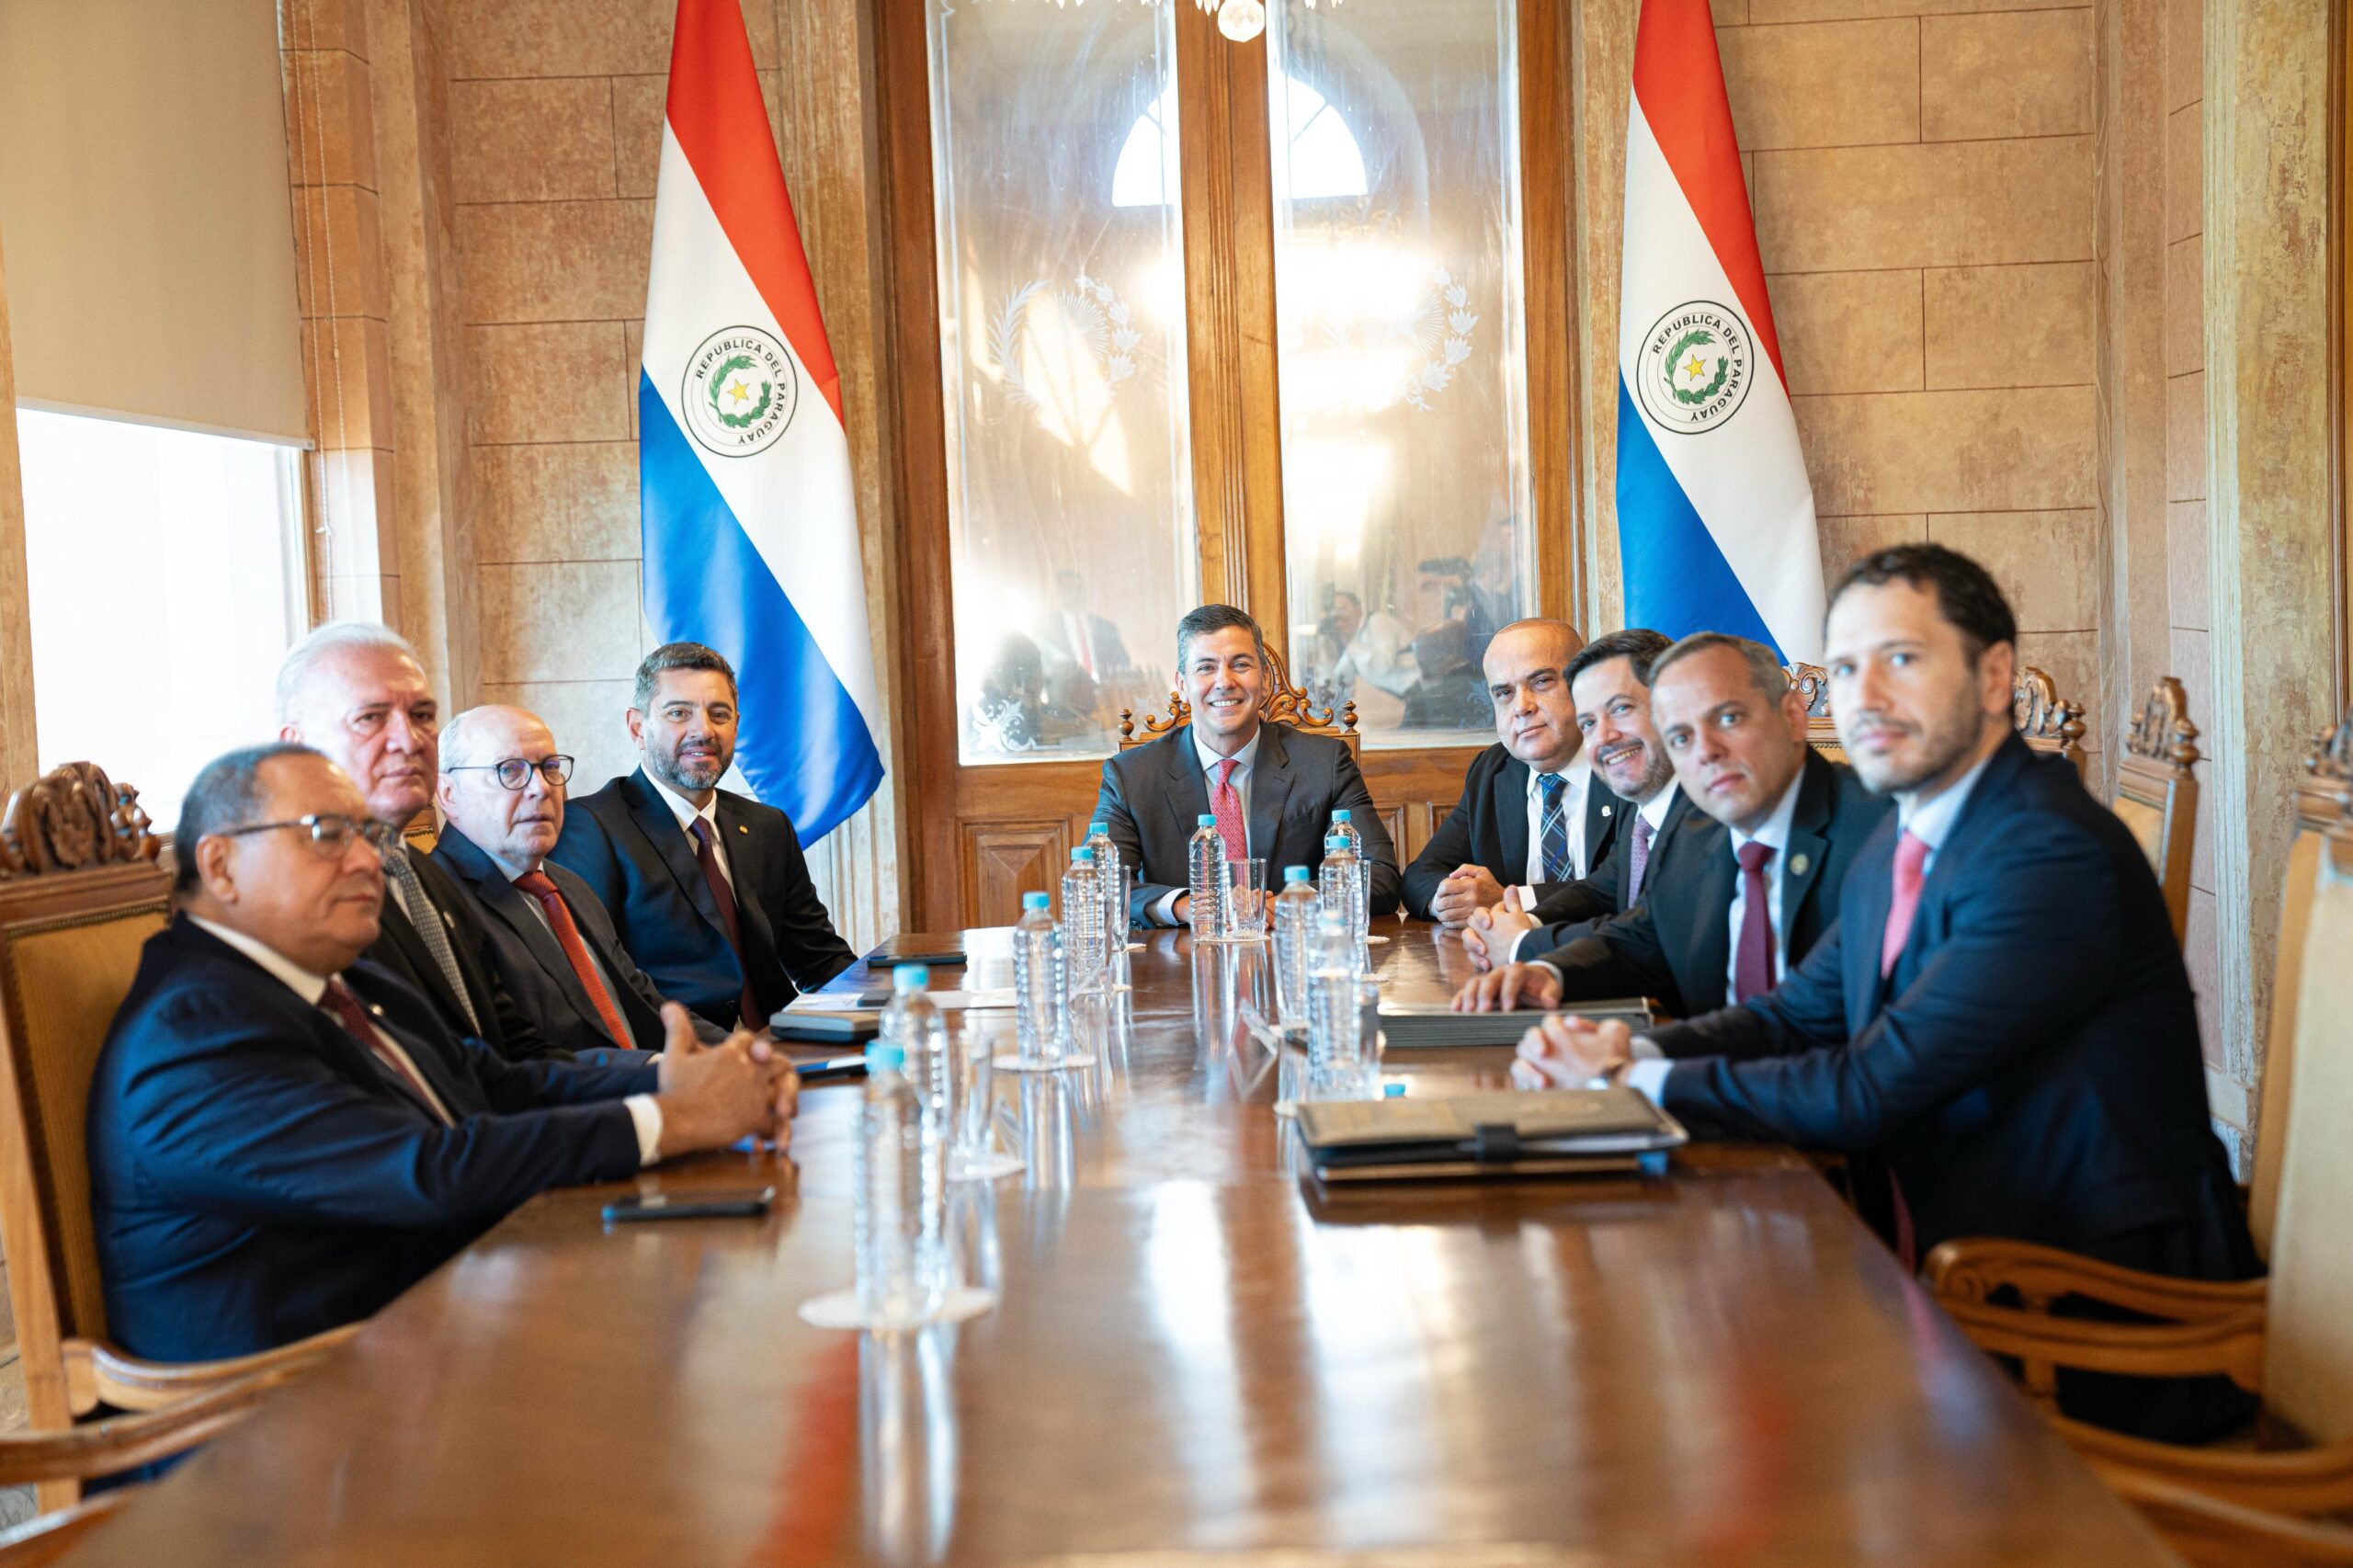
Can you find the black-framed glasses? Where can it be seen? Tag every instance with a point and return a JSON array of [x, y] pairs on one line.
[[514, 772], [330, 832]]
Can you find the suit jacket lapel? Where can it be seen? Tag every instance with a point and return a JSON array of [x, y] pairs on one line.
[[1269, 787], [661, 829], [417, 956], [1863, 908], [744, 858], [1604, 819], [1808, 847], [1511, 820], [1188, 790]]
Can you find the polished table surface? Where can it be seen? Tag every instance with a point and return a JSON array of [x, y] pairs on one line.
[[1196, 1356]]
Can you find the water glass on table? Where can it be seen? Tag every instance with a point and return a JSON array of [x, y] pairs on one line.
[[972, 1153], [1242, 899]]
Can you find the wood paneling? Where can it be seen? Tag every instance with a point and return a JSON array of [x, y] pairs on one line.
[[1004, 859], [1546, 170]]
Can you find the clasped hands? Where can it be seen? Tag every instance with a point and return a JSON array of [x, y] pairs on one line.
[[1486, 913], [1562, 1052], [712, 1096]]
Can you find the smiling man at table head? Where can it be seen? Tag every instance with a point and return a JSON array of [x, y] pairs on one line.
[[2002, 1016], [284, 1136], [1272, 788]]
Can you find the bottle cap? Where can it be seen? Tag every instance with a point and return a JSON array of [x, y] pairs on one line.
[[1083, 854], [1036, 901], [1392, 1091], [885, 1057], [1340, 816], [910, 977], [1205, 820], [1296, 873], [1095, 827]]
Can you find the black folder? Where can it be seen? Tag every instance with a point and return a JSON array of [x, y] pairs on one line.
[[1410, 1024], [1498, 1133]]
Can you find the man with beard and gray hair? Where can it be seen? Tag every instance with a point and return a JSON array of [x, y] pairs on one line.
[[706, 888]]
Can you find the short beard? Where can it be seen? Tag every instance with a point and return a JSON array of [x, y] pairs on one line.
[[1945, 744], [666, 767]]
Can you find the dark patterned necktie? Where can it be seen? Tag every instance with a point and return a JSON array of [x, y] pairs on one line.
[[1554, 834], [749, 1014], [1641, 859], [425, 916]]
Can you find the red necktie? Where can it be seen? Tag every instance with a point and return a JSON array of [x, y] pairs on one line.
[[749, 1015], [346, 1009], [1911, 857], [1753, 969], [575, 952], [1226, 802]]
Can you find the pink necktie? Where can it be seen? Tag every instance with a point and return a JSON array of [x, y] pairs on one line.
[[1911, 856], [1226, 802], [1753, 970], [1641, 861]]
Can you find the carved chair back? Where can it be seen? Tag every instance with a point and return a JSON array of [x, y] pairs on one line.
[[1282, 704], [2324, 799], [2045, 721], [80, 894], [1821, 729], [2156, 792], [2308, 1363]]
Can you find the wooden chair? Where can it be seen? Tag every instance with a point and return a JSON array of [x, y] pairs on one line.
[[80, 894], [2210, 1533], [2047, 721], [1283, 704], [1821, 729], [2288, 1337], [2156, 793]]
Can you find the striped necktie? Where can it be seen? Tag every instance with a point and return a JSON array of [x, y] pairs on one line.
[[1554, 833]]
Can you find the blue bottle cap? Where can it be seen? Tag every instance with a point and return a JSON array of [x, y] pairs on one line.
[[1296, 873], [1392, 1091], [1083, 853], [910, 977], [885, 1057], [1095, 827], [1205, 820], [1036, 901], [1340, 816]]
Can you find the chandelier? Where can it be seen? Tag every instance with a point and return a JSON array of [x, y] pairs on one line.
[[1240, 20]]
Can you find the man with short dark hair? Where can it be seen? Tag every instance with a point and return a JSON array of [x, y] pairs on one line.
[[284, 1136], [2002, 1013], [1272, 788], [708, 889]]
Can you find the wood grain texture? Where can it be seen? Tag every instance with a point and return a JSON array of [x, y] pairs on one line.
[[1547, 170], [1194, 1351]]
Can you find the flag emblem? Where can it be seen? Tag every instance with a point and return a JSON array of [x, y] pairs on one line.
[[741, 392], [1696, 365]]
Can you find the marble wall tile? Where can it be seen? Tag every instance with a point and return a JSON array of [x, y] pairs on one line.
[[1835, 10], [2185, 53], [1728, 13], [2047, 563], [2007, 73], [531, 140], [2027, 449], [585, 716], [1824, 85], [331, 132], [573, 501], [2186, 438], [558, 620], [351, 510], [2186, 306], [632, 356], [538, 261], [580, 38], [2186, 564], [1946, 204], [637, 132], [2072, 661], [2009, 326], [557, 381], [2185, 173], [1845, 541], [1848, 331], [338, 251], [346, 366]]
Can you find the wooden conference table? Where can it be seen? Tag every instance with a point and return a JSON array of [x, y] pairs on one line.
[[1197, 1358]]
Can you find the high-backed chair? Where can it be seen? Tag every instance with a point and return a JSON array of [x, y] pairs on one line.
[[2045, 720], [80, 894], [2156, 793], [1282, 704], [1821, 729]]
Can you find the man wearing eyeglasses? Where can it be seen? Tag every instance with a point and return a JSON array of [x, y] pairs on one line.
[[357, 692], [552, 943], [283, 1136]]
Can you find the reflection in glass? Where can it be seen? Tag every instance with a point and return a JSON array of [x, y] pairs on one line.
[[1398, 296], [1062, 353], [907, 1443]]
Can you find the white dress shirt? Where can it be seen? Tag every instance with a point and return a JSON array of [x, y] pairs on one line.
[[1244, 761], [1653, 811], [685, 811], [1577, 782], [644, 1113], [1774, 833]]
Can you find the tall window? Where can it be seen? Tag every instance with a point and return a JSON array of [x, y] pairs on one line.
[[1406, 506], [1063, 351], [166, 578]]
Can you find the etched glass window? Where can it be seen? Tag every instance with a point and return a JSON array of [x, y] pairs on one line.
[[1062, 306], [1409, 535]]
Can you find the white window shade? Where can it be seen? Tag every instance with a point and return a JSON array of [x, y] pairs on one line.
[[145, 209]]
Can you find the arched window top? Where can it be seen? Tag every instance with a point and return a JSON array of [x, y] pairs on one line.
[[1324, 157]]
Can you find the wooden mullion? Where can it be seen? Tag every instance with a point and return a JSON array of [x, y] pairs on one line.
[[1545, 170]]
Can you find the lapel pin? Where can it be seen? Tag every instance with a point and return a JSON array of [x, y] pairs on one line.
[[1798, 863], [741, 828], [1605, 811]]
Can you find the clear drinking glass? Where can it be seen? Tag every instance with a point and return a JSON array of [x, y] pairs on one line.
[[972, 1153], [1242, 895], [1116, 894]]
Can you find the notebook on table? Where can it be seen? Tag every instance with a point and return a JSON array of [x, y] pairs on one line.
[[1497, 1133], [1410, 1024], [940, 949]]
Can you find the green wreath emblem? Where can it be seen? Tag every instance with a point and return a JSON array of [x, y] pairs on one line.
[[1698, 337], [767, 389]]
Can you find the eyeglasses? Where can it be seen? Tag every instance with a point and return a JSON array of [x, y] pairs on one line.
[[331, 833], [514, 772]]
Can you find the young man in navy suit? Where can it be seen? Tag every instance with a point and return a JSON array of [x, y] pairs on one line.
[[284, 1136], [2002, 1016]]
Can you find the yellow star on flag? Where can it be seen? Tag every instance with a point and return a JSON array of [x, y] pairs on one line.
[[1695, 368], [739, 391]]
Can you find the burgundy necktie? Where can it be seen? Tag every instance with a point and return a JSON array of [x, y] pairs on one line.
[[346, 1009], [576, 953], [1226, 802], [1641, 859], [750, 1018], [1911, 857], [1753, 969]]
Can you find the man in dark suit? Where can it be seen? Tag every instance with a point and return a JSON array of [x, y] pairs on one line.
[[1530, 819], [1609, 683], [284, 1136], [2001, 1015], [1272, 788], [550, 942], [1737, 899], [706, 888], [357, 692]]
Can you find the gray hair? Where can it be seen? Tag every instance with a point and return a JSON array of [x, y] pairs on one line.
[[1765, 671], [679, 656], [226, 795], [321, 644]]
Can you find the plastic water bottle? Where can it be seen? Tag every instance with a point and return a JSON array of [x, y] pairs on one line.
[[1207, 856], [1083, 949], [1342, 827], [895, 1245], [1335, 1027], [1107, 872], [1296, 909], [1037, 981], [1341, 878]]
